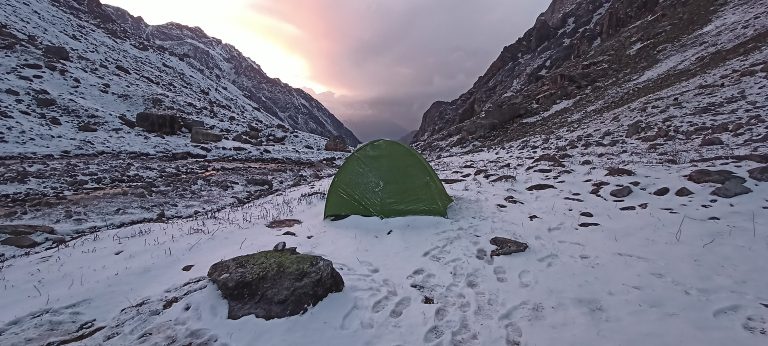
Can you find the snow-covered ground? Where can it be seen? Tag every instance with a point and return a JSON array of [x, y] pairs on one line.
[[677, 271]]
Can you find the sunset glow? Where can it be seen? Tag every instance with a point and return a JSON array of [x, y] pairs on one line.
[[234, 22]]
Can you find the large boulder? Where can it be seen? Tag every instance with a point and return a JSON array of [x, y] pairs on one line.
[[202, 136], [730, 189], [165, 123], [21, 242], [759, 174], [721, 176], [621, 192], [19, 230], [56, 52], [336, 143], [274, 284]]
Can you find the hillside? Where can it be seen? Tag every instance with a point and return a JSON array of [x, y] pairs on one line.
[[75, 75], [660, 75]]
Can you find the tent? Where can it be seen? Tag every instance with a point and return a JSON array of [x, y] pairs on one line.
[[386, 179]]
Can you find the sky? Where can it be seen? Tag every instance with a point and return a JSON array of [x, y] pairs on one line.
[[376, 64]]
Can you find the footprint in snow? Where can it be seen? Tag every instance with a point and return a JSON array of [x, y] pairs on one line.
[[756, 324], [369, 267], [526, 278], [434, 334], [501, 273], [400, 307], [727, 311], [514, 334]]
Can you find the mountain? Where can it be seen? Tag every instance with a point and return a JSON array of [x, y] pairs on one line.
[[76, 74], [662, 73]]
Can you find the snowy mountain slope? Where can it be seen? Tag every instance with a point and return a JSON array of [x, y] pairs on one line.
[[670, 271], [73, 101], [682, 68]]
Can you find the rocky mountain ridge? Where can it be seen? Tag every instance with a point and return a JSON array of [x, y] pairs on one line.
[[678, 70], [75, 75]]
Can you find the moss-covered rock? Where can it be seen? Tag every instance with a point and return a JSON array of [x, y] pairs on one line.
[[274, 284]]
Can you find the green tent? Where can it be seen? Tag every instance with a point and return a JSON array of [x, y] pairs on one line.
[[386, 179]]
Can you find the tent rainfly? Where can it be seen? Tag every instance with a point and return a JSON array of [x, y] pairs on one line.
[[386, 179]]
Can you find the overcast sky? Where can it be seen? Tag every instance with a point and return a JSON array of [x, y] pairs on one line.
[[377, 64]]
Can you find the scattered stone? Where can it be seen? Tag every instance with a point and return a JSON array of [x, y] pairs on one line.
[[451, 181], [279, 246], [21, 242], [274, 284], [619, 172], [512, 200], [506, 246], [56, 52], [683, 192], [44, 102], [289, 233], [552, 159], [586, 214], [621, 192], [701, 176], [503, 178], [337, 144], [54, 121], [533, 217], [428, 300], [730, 189], [187, 267], [588, 224], [760, 174], [87, 128], [203, 136], [164, 123], [12, 92], [711, 141], [628, 208], [540, 187], [260, 182], [283, 223], [20, 230], [661, 192]]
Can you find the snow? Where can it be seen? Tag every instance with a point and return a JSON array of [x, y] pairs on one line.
[[629, 281]]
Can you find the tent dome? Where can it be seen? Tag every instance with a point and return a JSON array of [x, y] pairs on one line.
[[386, 179]]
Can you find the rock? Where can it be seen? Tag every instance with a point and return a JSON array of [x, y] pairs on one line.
[[187, 267], [44, 102], [588, 224], [540, 187], [661, 192], [56, 52], [759, 174], [12, 92], [552, 159], [21, 242], [260, 182], [451, 181], [730, 189], [169, 124], [711, 141], [274, 284], [54, 121], [289, 233], [20, 230], [87, 128], [284, 223], [336, 143], [634, 129], [279, 246], [502, 178], [586, 214], [683, 192], [701, 176], [506, 246], [619, 172], [127, 122], [621, 192], [190, 124], [203, 136]]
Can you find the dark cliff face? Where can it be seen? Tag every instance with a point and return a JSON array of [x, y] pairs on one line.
[[581, 53], [218, 61]]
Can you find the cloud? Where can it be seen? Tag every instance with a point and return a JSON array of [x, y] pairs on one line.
[[390, 59]]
